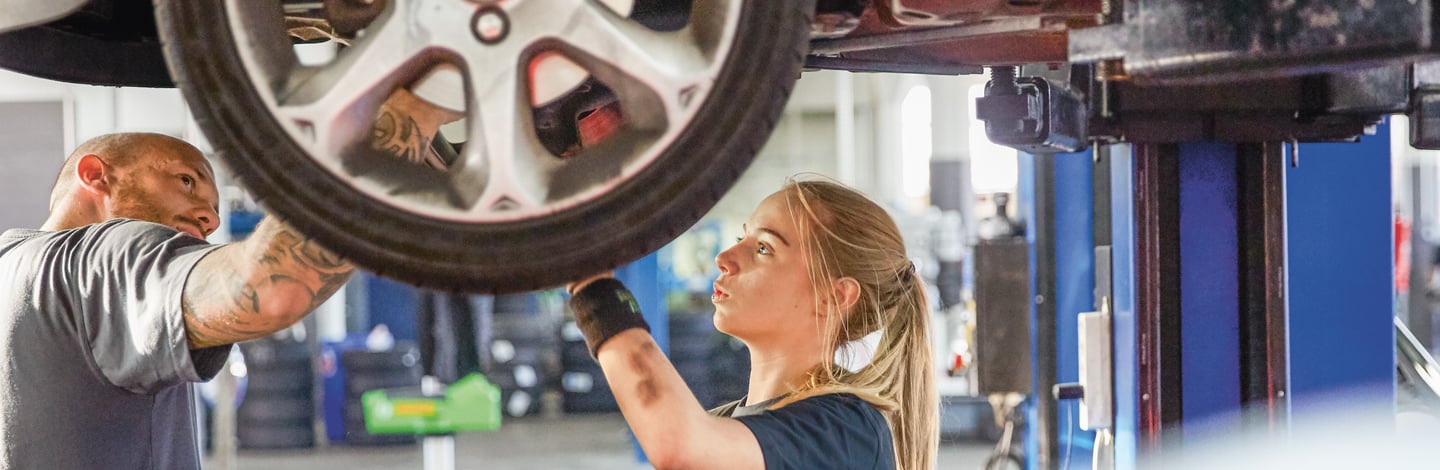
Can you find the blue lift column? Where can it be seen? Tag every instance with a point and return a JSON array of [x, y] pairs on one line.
[[1055, 199], [1198, 318], [1119, 160], [1243, 282], [1341, 278], [1209, 291], [1074, 292]]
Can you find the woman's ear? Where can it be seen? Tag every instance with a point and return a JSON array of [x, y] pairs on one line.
[[846, 292], [93, 174]]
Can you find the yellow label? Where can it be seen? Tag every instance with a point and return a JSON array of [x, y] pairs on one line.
[[415, 408]]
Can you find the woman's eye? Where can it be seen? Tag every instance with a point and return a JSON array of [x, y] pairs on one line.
[[189, 182], [763, 249]]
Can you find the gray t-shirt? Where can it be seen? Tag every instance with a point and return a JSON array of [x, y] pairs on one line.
[[95, 370]]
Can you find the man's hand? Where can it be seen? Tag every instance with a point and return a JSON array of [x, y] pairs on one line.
[[406, 125]]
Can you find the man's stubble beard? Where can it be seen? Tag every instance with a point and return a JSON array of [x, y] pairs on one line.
[[135, 202]]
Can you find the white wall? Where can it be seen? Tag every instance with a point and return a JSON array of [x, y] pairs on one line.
[[31, 134], [806, 139], [100, 110], [89, 111]]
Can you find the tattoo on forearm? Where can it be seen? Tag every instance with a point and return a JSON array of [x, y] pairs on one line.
[[223, 308], [322, 259], [234, 316], [400, 135]]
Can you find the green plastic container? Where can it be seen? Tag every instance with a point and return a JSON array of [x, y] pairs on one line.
[[471, 404]]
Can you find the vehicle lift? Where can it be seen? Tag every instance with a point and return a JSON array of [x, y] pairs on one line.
[[1209, 217]]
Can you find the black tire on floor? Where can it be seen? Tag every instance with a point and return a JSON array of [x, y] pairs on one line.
[[520, 402], [598, 401], [271, 351], [276, 436], [635, 217], [357, 384], [402, 356], [576, 355], [276, 408], [277, 368], [288, 381]]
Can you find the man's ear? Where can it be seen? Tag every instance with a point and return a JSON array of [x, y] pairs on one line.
[[846, 292], [93, 174]]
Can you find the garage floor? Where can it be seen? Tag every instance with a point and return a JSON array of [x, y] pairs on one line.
[[576, 442]]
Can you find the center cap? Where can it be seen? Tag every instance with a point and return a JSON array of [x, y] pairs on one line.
[[490, 24]]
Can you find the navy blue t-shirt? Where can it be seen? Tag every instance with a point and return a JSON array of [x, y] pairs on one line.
[[835, 431]]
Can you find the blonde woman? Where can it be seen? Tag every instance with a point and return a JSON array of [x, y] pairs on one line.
[[818, 267]]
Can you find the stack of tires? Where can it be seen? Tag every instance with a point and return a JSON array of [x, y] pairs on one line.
[[367, 370], [693, 342], [729, 370], [278, 410], [582, 383], [523, 345]]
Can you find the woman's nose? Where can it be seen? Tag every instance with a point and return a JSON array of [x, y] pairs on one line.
[[726, 261]]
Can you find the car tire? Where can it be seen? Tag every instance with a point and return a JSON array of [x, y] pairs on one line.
[[621, 223], [101, 44]]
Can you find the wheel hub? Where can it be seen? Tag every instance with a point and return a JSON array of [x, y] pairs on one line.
[[490, 24]]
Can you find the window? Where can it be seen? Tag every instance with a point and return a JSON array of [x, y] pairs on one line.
[[915, 142], [993, 167]]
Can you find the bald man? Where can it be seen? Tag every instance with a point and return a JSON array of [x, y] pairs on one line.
[[117, 304]]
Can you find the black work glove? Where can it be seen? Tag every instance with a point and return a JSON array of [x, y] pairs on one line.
[[604, 308]]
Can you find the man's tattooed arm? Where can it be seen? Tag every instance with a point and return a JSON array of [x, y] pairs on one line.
[[277, 276], [264, 284], [401, 136], [406, 125]]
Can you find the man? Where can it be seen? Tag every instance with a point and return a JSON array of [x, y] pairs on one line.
[[111, 309], [117, 304]]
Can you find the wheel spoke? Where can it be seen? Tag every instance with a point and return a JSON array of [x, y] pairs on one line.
[[501, 142]]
